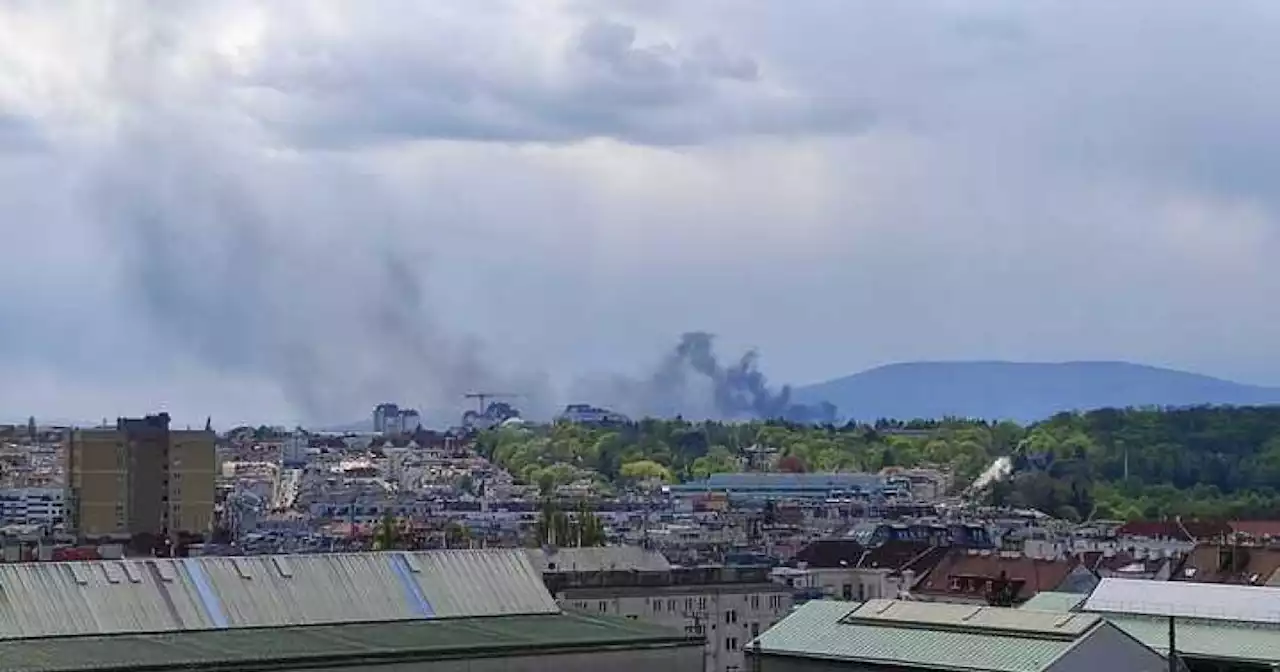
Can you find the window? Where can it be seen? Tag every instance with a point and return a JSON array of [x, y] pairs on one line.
[[731, 643], [702, 604], [671, 605], [775, 602], [657, 606], [755, 630], [688, 604], [603, 606], [731, 616], [846, 592]]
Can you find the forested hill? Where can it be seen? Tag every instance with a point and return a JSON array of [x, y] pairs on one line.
[[1202, 462], [1021, 391]]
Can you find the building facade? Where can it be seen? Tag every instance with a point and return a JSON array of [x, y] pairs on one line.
[[728, 606], [32, 506], [139, 478]]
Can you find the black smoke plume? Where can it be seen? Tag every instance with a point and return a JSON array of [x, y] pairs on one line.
[[692, 382]]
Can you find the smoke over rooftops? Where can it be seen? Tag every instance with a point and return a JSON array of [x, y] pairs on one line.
[[692, 382]]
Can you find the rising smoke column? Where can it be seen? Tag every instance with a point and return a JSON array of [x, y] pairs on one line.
[[258, 267], [690, 381]]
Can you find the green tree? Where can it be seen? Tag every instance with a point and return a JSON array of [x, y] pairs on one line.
[[641, 470]]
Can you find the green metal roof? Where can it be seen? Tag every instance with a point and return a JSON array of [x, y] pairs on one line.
[[347, 643], [1052, 601], [1205, 639], [823, 629], [1202, 638]]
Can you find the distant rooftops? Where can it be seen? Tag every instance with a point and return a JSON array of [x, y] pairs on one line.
[[783, 484]]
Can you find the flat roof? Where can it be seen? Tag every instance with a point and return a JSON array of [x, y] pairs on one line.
[[1205, 601], [345, 644]]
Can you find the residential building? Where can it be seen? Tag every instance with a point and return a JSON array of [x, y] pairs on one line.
[[843, 569], [385, 416], [44, 507], [969, 576], [898, 636], [139, 478], [1233, 563], [727, 606], [586, 414], [482, 611], [1139, 565], [192, 472]]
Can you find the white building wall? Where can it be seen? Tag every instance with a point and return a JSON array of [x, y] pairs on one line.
[[32, 506], [728, 619]]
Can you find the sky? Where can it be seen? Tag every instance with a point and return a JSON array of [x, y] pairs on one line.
[[239, 209]]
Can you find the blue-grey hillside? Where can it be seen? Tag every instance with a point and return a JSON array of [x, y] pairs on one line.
[[1024, 392]]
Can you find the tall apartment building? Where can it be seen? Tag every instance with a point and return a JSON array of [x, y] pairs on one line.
[[139, 477]]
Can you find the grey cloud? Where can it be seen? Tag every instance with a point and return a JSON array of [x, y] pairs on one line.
[[605, 84], [20, 134], [855, 183]]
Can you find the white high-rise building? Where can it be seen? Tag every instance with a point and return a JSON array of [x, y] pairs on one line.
[[32, 506], [385, 417]]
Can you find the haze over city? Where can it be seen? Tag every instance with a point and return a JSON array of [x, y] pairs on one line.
[[235, 209]]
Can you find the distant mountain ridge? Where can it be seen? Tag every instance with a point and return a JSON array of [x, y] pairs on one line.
[[1024, 392]]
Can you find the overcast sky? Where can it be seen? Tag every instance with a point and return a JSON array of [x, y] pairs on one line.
[[238, 209]]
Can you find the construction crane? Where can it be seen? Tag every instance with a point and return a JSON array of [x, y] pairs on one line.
[[483, 397]]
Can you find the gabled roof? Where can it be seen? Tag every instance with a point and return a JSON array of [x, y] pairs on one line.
[[1230, 563], [601, 559], [927, 635], [974, 569], [1186, 530]]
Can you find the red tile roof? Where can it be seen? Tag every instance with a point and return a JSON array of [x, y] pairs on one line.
[[963, 574], [1187, 530], [1257, 528], [1233, 564]]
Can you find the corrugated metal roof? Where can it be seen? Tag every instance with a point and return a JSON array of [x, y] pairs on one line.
[[1249, 604], [1213, 640], [1053, 601], [112, 596], [820, 629], [601, 559], [991, 620], [329, 642]]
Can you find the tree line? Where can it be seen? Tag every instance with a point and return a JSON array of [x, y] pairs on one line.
[[1206, 462]]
